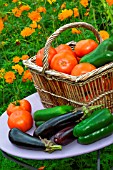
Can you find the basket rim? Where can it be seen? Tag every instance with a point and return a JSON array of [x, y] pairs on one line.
[[52, 74]]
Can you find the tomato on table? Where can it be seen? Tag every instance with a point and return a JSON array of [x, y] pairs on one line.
[[20, 119], [40, 54], [19, 105], [84, 47], [63, 62], [82, 68]]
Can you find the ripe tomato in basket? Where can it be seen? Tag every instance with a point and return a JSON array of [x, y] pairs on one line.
[[20, 119], [82, 68], [21, 104], [40, 54], [84, 47], [63, 62], [63, 47]]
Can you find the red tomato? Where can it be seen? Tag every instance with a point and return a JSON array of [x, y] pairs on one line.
[[63, 47], [40, 55], [84, 47], [82, 68], [20, 119], [63, 62], [68, 51], [22, 104]]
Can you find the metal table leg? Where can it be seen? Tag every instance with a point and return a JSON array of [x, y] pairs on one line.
[[18, 161], [98, 159]]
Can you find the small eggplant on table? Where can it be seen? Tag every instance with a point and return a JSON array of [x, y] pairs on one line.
[[24, 140], [52, 126], [64, 136]]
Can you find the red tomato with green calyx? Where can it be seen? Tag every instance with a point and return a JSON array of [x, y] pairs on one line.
[[19, 105]]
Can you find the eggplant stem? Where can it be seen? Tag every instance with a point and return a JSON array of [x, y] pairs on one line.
[[50, 147]]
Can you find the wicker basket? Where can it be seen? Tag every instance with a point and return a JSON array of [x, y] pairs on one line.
[[55, 88]]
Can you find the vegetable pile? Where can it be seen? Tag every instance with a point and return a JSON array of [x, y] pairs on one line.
[[86, 56], [61, 125]]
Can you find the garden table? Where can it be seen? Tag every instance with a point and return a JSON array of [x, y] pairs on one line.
[[73, 149]]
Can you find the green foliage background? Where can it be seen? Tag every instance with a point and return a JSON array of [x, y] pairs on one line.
[[100, 16]]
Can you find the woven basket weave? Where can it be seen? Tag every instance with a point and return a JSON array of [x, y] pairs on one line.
[[57, 88]]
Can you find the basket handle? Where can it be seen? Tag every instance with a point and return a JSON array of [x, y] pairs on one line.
[[60, 30]]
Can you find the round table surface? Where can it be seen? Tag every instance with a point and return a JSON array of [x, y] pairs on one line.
[[70, 150]]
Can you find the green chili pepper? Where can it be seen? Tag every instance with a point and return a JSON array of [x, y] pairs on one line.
[[97, 135], [97, 120]]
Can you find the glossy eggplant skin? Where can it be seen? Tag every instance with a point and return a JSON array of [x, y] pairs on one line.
[[25, 140], [51, 127], [64, 136]]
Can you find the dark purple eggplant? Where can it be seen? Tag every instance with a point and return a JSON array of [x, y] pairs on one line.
[[52, 126], [24, 140], [64, 136]]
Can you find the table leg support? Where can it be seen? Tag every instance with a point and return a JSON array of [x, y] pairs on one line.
[[18, 161], [98, 159]]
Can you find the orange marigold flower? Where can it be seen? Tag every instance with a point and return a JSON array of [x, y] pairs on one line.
[[65, 14], [18, 68], [34, 24], [27, 76], [104, 34], [84, 3], [110, 2], [2, 72], [1, 24], [27, 31], [35, 16], [14, 1], [25, 8], [51, 1], [17, 12], [63, 5], [16, 59], [41, 9], [9, 77], [24, 57], [75, 31], [76, 12]]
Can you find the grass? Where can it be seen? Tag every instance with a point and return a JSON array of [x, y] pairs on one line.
[[14, 44], [86, 162]]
